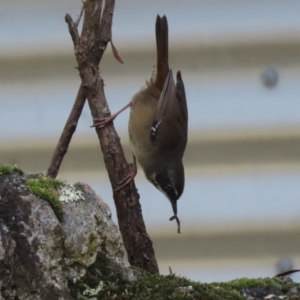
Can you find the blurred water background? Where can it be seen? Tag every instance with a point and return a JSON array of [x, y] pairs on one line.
[[240, 209]]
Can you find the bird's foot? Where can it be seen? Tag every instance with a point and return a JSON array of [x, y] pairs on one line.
[[129, 178], [102, 122]]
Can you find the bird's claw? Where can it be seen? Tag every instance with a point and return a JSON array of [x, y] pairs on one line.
[[128, 179], [102, 122]]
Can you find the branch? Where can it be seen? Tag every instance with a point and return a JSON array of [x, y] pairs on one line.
[[71, 124], [79, 16], [72, 29], [89, 48], [66, 136]]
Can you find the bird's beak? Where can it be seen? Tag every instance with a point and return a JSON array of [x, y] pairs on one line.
[[174, 206]]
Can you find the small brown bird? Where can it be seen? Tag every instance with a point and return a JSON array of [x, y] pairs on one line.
[[158, 125]]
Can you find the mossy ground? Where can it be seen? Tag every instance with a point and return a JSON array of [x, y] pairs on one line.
[[6, 170], [245, 283], [48, 189], [162, 287], [111, 286]]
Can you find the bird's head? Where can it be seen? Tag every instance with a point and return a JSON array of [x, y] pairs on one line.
[[169, 179]]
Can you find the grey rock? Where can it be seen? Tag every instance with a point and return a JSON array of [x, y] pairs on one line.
[[261, 293], [41, 258]]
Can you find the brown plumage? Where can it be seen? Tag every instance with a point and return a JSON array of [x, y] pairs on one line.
[[158, 124]]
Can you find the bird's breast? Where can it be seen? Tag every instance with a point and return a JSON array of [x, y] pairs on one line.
[[142, 109]]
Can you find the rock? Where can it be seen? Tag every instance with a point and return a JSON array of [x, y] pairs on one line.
[[43, 258], [268, 292]]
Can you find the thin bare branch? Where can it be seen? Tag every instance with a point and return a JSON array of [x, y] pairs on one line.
[[72, 29], [80, 15], [106, 21], [286, 273], [66, 136]]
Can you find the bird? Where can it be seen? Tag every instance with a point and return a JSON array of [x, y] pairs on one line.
[[158, 125]]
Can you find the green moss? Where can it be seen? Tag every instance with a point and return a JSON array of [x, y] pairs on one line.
[[6, 170], [92, 238], [43, 187], [110, 286], [148, 286], [162, 287], [245, 283], [101, 274], [48, 189]]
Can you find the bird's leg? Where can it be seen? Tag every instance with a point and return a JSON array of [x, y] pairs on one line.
[[102, 122], [128, 179]]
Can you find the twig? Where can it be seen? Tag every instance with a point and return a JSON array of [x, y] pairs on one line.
[[285, 273], [72, 29], [80, 15], [66, 136], [71, 124], [89, 48]]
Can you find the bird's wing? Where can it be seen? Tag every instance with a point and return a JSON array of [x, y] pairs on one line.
[[181, 98], [164, 106], [169, 126]]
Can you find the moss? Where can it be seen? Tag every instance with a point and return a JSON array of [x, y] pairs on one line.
[[100, 275], [109, 285], [6, 170], [92, 238], [161, 287], [43, 187], [245, 283], [48, 189]]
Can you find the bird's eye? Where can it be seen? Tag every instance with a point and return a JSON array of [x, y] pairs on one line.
[[168, 187]]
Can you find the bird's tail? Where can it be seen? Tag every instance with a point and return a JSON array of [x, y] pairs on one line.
[[162, 63]]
